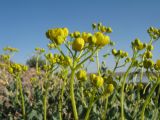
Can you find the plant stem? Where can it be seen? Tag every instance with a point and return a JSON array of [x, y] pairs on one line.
[[97, 61], [22, 97], [17, 89], [148, 98], [37, 64], [72, 95], [122, 91], [61, 100], [86, 58], [116, 65], [45, 97], [90, 106], [45, 103], [82, 95], [105, 109]]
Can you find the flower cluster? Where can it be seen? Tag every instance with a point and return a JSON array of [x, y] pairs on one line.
[[10, 49], [138, 45], [57, 35], [39, 50], [59, 59], [154, 33], [96, 39], [119, 53], [97, 80], [17, 68]]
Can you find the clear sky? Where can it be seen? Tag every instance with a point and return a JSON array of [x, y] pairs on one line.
[[23, 23]]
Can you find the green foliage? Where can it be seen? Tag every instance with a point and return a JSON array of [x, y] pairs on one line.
[[31, 62]]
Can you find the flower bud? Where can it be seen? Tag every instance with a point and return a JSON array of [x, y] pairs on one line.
[[125, 54], [140, 86], [148, 54], [92, 39], [76, 34], [81, 75], [140, 46], [128, 60], [110, 88], [108, 30], [114, 52], [78, 44], [99, 81], [94, 25], [92, 77], [150, 47], [120, 52], [137, 42]]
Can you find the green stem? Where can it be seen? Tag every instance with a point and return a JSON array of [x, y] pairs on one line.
[[157, 96], [148, 98], [86, 58], [37, 68], [97, 61], [122, 91], [105, 109], [72, 95], [90, 106], [22, 97], [69, 50], [45, 95], [116, 64], [61, 100], [82, 95], [45, 103], [17, 89]]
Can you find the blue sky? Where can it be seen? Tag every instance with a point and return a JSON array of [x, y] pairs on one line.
[[23, 23]]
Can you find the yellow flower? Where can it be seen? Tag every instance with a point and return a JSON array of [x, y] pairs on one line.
[[59, 32], [76, 34], [99, 81], [81, 75], [57, 35], [110, 88], [106, 40], [25, 68], [85, 36], [92, 77], [10, 70], [78, 44], [99, 37], [59, 40], [66, 32], [114, 52], [102, 40], [140, 46], [92, 39]]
